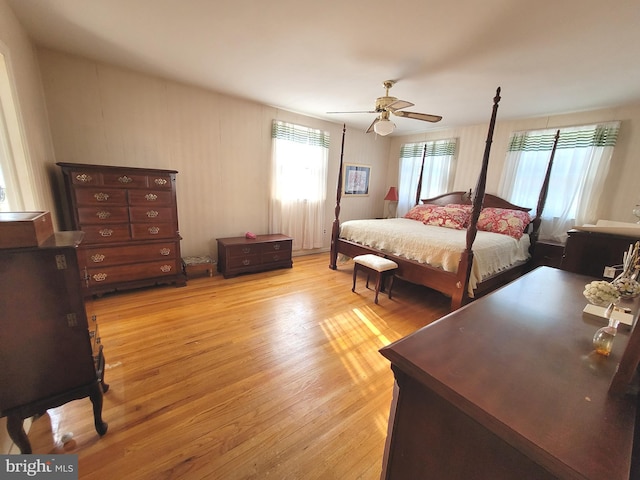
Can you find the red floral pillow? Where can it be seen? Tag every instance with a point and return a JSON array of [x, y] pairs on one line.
[[465, 207], [449, 217], [419, 212], [503, 220]]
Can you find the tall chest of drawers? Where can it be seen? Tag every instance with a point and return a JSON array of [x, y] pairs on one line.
[[130, 220]]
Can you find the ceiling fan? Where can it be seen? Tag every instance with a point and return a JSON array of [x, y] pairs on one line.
[[386, 105]]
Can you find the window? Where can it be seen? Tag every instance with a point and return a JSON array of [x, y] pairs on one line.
[[577, 178], [16, 191], [437, 175], [299, 183]]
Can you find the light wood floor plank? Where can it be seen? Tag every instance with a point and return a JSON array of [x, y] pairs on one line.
[[269, 375]]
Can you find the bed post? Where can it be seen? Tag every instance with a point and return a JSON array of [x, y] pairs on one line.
[[419, 189], [542, 199], [466, 260], [335, 230]]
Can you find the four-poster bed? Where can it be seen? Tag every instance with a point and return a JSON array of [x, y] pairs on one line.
[[463, 281]]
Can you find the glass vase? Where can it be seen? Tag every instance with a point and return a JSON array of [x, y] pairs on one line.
[[603, 339]]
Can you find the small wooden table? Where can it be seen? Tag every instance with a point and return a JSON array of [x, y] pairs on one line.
[[238, 255], [509, 387]]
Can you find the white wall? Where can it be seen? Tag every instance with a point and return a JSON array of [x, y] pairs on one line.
[[621, 192], [220, 145]]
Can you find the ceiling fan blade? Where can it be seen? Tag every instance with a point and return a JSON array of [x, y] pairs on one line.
[[419, 116], [370, 129], [358, 111], [398, 104]]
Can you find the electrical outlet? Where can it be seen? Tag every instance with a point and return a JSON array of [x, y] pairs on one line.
[[609, 272]]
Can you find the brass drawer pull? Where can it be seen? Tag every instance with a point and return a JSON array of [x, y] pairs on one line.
[[165, 251], [83, 178], [160, 181], [124, 179], [246, 262], [152, 214], [246, 250], [276, 246], [165, 268], [103, 214], [153, 230], [151, 197], [101, 197], [99, 277], [97, 258], [106, 232]]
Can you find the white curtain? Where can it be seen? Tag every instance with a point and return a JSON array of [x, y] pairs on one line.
[[580, 167], [437, 176], [299, 183]]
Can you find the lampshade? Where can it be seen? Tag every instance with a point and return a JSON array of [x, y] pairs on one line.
[[392, 194], [384, 127]]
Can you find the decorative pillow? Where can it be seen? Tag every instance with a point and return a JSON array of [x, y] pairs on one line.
[[449, 217], [503, 220], [419, 212], [465, 207]]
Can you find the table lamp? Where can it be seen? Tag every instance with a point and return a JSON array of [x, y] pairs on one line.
[[392, 197]]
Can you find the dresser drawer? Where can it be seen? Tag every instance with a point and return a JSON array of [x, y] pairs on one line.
[[283, 247], [146, 231], [243, 261], [150, 197], [102, 196], [108, 256], [85, 177], [102, 214], [126, 273], [129, 180], [243, 250], [276, 257], [151, 214], [108, 233], [160, 181]]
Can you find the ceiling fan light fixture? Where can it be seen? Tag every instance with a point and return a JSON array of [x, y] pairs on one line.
[[384, 127]]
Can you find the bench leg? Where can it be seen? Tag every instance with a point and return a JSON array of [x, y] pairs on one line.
[[379, 278], [391, 284], [355, 272]]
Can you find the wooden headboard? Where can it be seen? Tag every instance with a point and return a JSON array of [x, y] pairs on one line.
[[465, 198]]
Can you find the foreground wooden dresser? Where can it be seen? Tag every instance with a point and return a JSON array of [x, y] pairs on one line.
[[509, 387], [130, 220], [50, 353], [238, 255]]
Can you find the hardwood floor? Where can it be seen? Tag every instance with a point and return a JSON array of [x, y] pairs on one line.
[[269, 375]]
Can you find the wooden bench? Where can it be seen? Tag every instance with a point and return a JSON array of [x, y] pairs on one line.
[[379, 267]]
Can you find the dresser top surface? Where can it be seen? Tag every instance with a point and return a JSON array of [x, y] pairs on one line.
[[276, 237], [87, 166], [521, 362]]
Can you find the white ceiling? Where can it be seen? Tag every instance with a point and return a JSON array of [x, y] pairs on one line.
[[312, 57]]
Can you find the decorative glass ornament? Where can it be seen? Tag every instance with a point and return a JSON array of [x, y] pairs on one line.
[[603, 339]]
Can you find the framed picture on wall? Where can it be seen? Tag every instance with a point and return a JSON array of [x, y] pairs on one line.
[[356, 179]]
